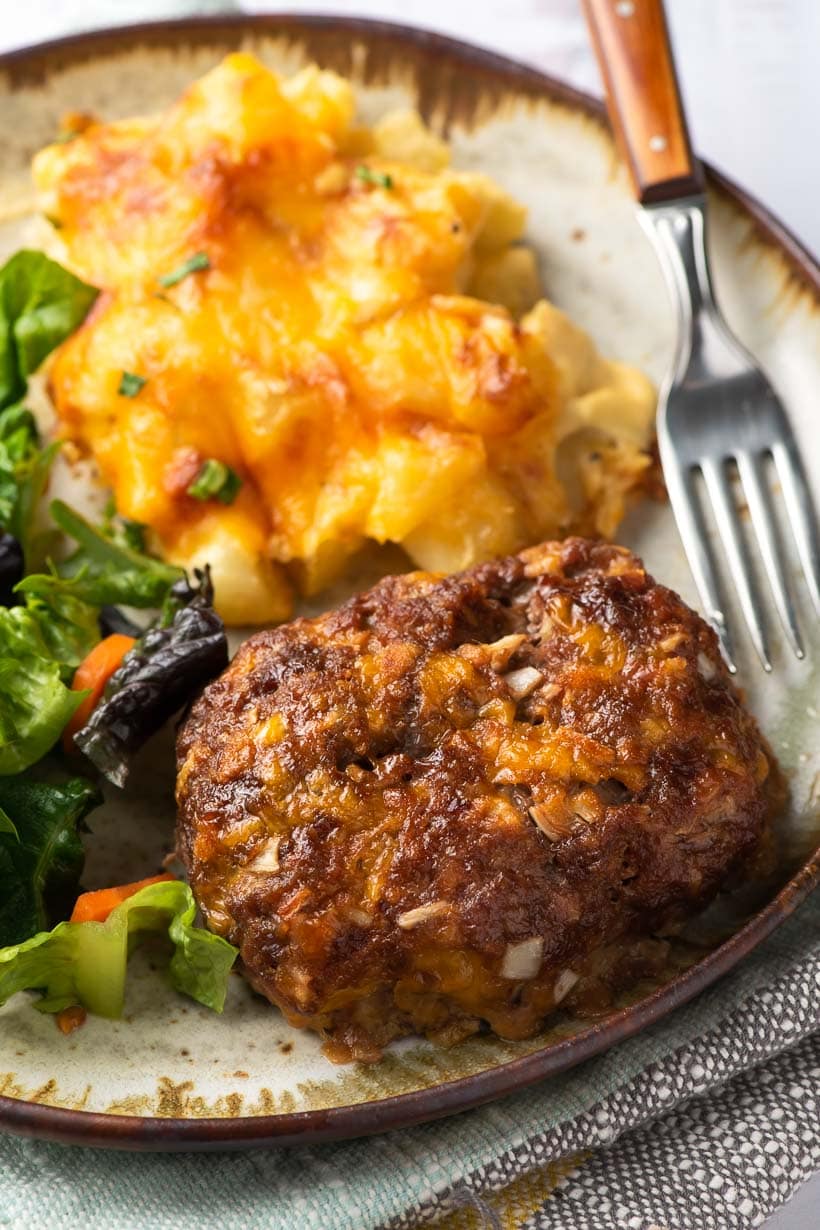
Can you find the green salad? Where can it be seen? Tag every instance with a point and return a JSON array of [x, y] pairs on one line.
[[82, 687]]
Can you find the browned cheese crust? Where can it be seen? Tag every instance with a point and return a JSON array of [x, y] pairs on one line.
[[439, 805]]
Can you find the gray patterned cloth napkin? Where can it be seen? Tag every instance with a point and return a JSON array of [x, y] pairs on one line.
[[709, 1137]]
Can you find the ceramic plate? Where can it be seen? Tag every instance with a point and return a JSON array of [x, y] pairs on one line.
[[170, 1075]]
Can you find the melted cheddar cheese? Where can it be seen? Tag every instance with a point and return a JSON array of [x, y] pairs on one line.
[[337, 351]]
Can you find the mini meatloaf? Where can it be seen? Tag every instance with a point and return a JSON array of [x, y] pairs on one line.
[[460, 800]]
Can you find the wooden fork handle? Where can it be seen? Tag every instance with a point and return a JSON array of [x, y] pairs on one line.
[[631, 42]]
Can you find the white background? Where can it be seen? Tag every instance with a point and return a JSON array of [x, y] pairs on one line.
[[750, 77]]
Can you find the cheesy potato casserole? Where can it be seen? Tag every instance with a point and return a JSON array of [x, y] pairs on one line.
[[312, 334]]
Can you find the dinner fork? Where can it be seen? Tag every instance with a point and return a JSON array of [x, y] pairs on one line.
[[722, 430]]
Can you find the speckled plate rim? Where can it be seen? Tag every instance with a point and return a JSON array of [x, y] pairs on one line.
[[401, 1110]]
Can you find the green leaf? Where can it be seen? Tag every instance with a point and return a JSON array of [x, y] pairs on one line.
[[32, 479], [106, 572], [41, 304], [20, 634], [40, 867], [7, 825], [215, 481], [19, 445], [67, 624], [130, 384], [377, 178], [18, 433], [35, 706], [131, 534], [121, 530], [85, 963], [8, 494], [199, 260], [41, 644]]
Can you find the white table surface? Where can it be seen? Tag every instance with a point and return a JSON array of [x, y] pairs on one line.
[[749, 77]]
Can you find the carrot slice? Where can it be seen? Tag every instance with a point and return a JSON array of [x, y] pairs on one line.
[[93, 674], [70, 1018], [96, 906]]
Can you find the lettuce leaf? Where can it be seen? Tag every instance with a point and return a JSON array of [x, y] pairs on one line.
[[7, 825], [41, 304], [19, 442], [106, 572], [24, 471], [18, 434], [41, 645], [35, 706], [32, 480], [41, 855], [85, 963], [67, 627]]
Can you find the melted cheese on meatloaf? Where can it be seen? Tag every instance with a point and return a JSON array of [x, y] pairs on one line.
[[333, 344]]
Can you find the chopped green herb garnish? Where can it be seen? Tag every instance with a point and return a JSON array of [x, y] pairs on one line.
[[133, 534], [67, 134], [130, 384], [374, 177], [199, 260], [54, 221], [215, 481]]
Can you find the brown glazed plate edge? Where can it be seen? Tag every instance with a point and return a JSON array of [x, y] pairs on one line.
[[153, 1134]]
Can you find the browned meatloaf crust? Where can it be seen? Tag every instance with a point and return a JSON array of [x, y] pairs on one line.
[[446, 802]]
